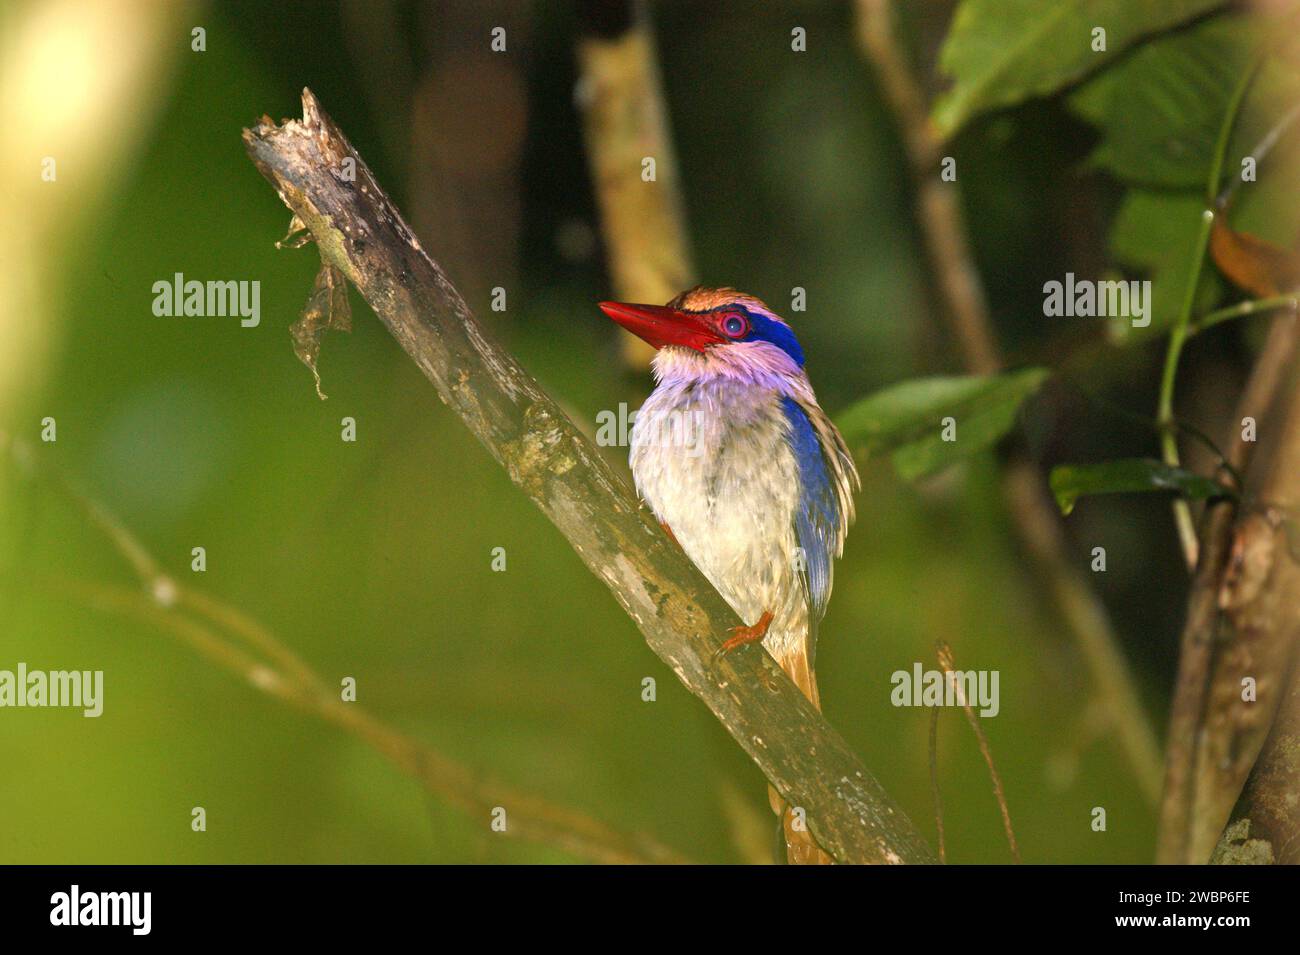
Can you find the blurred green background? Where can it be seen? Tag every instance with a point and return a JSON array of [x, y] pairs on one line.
[[373, 559]]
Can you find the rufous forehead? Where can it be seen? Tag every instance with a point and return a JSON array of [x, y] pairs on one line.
[[701, 299]]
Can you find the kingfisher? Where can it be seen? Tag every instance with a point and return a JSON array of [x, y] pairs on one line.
[[748, 475]]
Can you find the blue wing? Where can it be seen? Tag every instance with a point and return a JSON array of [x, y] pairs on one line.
[[820, 516]]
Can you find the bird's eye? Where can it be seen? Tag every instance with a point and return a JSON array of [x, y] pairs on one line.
[[735, 325]]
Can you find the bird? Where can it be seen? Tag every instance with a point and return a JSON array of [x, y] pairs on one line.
[[736, 459]]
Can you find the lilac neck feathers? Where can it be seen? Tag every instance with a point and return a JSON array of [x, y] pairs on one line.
[[760, 364]]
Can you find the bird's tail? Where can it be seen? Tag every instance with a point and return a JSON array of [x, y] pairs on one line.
[[798, 664], [800, 846]]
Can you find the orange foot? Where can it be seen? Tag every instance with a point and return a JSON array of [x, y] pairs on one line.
[[669, 531], [744, 635]]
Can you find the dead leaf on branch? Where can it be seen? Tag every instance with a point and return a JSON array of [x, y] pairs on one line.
[[1252, 264], [327, 309], [297, 236]]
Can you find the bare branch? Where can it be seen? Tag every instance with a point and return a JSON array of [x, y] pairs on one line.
[[529, 816], [207, 624], [1243, 619], [360, 231]]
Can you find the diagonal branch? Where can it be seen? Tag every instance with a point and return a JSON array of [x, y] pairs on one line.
[[361, 232], [531, 817]]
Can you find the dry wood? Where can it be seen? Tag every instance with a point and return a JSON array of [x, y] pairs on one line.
[[360, 231]]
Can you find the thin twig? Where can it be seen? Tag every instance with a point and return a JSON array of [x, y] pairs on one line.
[[1260, 152], [285, 677], [1212, 743], [934, 782], [1178, 333], [1253, 306], [945, 661], [166, 590], [359, 231], [1030, 509], [528, 816], [938, 202], [1150, 425]]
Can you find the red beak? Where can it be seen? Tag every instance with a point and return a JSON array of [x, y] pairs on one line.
[[660, 325]]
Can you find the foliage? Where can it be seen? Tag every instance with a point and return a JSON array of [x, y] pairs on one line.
[[906, 420], [1071, 482], [1001, 52], [201, 433]]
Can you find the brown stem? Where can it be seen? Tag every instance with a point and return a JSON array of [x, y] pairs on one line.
[[934, 783], [1243, 617], [1265, 824], [624, 122], [527, 817], [949, 667], [359, 231], [1030, 508], [281, 674]]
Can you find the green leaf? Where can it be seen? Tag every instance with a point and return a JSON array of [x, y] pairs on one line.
[[1001, 52], [906, 420], [1072, 481], [1160, 110], [1154, 234], [1171, 102]]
